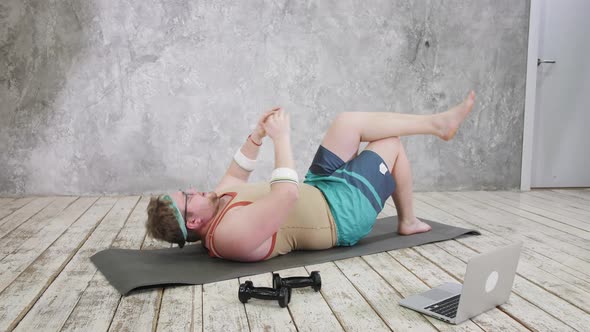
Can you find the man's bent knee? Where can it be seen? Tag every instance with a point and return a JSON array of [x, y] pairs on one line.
[[344, 119]]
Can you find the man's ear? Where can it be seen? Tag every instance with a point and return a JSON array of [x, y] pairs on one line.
[[194, 223]]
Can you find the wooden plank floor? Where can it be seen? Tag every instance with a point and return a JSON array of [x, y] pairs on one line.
[[47, 282]]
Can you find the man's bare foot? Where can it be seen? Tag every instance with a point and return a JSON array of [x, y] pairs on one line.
[[412, 227], [448, 122]]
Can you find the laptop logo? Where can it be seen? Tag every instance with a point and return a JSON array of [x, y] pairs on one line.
[[492, 281]]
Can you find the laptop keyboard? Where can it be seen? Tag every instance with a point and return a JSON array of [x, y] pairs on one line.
[[446, 307]]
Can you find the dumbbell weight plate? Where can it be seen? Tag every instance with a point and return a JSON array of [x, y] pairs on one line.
[[243, 291], [284, 296], [317, 280], [276, 280]]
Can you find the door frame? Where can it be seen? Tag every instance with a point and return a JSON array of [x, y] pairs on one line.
[[530, 93]]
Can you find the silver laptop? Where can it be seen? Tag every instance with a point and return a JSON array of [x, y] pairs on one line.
[[487, 284]]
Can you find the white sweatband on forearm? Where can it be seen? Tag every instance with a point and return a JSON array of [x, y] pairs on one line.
[[244, 162], [284, 174]]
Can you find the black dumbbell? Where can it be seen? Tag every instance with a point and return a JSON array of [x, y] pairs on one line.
[[248, 291], [314, 280]]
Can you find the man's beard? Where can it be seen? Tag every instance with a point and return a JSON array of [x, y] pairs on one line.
[[214, 201], [213, 198]]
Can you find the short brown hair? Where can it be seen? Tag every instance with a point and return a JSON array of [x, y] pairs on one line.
[[161, 223]]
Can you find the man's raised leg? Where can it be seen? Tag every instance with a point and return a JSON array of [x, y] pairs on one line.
[[351, 128]]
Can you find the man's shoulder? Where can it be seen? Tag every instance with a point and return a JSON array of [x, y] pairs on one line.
[[229, 220], [229, 228]]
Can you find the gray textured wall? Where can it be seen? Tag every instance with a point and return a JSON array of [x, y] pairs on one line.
[[145, 96]]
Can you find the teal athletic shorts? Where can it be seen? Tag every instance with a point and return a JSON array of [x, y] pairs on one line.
[[356, 191]]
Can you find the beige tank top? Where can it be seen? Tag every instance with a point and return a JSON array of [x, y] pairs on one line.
[[310, 225]]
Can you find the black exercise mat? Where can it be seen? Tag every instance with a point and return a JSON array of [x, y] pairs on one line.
[[129, 269]]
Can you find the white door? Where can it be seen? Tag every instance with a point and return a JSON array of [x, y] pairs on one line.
[[561, 143]]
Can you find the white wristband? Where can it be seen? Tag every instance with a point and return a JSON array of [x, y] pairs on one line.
[[284, 174], [244, 162]]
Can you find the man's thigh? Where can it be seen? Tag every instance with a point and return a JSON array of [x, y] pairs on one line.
[[388, 149]]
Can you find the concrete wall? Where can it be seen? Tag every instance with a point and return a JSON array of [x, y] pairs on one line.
[[144, 96]]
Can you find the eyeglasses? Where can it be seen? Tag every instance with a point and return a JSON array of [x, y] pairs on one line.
[[186, 198]]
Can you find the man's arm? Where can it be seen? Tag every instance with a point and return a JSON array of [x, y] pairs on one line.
[[251, 225], [235, 174]]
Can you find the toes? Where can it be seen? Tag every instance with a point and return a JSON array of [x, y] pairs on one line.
[[425, 227]]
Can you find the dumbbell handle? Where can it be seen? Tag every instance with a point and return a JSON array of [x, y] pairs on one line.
[[263, 293], [296, 282]]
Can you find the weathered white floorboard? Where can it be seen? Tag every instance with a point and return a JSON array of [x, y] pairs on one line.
[[351, 309], [5, 200], [23, 292], [97, 304], [179, 307], [11, 242], [559, 196], [138, 311], [128, 317], [567, 243], [103, 301], [9, 207], [574, 203], [543, 244], [16, 218], [563, 202], [576, 195], [25, 244], [176, 309], [544, 208], [510, 227], [55, 305], [382, 297], [517, 208], [309, 310], [197, 321], [221, 309]]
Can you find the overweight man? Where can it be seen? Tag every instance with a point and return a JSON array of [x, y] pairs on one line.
[[336, 204]]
